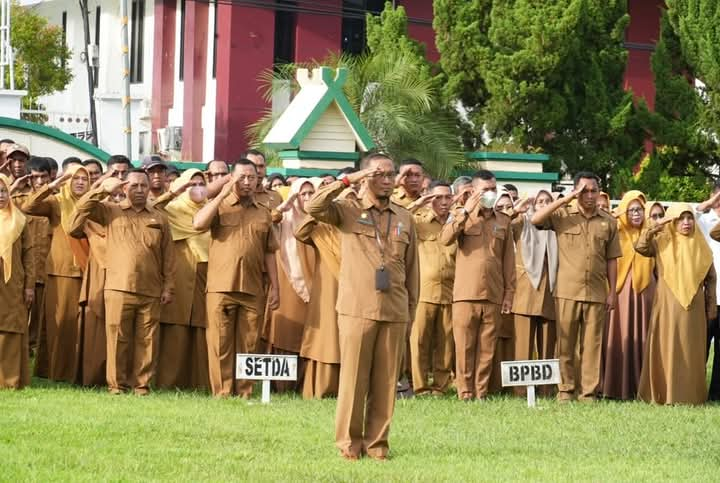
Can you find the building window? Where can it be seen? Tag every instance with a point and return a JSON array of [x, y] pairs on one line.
[[64, 34], [137, 23], [353, 23], [284, 52], [96, 69]]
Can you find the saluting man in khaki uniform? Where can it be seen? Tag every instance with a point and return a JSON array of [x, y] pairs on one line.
[[588, 246], [139, 277], [377, 296], [242, 246], [484, 283], [431, 337]]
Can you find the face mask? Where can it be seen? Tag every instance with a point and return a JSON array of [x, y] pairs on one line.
[[487, 200]]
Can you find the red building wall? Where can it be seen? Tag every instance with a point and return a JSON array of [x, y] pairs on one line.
[[422, 10], [244, 49], [641, 36], [317, 35]]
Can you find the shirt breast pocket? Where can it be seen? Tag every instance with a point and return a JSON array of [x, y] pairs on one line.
[[151, 234], [400, 243], [230, 219]]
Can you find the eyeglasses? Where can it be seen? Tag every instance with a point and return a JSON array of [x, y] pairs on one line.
[[636, 211], [656, 216], [386, 174]]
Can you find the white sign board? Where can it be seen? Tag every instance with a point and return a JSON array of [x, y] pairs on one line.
[[266, 367], [530, 374]]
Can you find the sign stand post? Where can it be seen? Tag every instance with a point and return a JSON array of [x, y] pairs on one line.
[[266, 368], [531, 396], [530, 374], [265, 391]]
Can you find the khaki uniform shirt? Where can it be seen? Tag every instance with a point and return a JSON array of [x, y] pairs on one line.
[[585, 245], [271, 200], [485, 263], [60, 260], [240, 237], [41, 233], [361, 255], [437, 261], [141, 256], [402, 198]]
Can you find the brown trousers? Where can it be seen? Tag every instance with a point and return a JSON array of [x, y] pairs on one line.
[[182, 358], [580, 327], [93, 349], [504, 351], [432, 347], [132, 340], [474, 326], [37, 314], [42, 364], [232, 329], [320, 380], [371, 353], [63, 327], [535, 338], [14, 360]]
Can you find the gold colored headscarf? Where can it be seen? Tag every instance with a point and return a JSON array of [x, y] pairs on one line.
[[12, 223], [686, 259], [180, 213], [642, 267], [67, 201]]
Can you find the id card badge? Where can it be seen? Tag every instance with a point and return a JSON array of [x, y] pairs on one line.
[[382, 280]]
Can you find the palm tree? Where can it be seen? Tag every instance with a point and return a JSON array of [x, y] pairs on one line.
[[400, 108]]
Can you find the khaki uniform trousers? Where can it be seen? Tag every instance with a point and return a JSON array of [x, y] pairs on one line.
[[474, 330], [132, 340], [580, 327], [37, 314], [432, 347], [232, 328], [371, 354]]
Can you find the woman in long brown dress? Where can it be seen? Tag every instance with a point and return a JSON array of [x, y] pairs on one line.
[[296, 262], [626, 330], [674, 364], [17, 287], [65, 264], [505, 345], [321, 341], [183, 353], [536, 263]]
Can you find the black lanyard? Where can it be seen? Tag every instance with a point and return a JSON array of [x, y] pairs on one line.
[[381, 242]]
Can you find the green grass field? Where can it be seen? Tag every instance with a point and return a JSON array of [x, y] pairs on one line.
[[55, 432]]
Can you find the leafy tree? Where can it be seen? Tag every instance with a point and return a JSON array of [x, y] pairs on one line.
[[42, 58], [392, 90], [461, 38], [544, 75]]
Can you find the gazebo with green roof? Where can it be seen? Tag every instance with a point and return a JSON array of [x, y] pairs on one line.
[[319, 130]]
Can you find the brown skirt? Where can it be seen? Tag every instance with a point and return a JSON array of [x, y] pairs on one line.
[[182, 358], [320, 380], [624, 341], [63, 327]]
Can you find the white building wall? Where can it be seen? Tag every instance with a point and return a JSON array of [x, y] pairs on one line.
[[208, 111], [69, 110]]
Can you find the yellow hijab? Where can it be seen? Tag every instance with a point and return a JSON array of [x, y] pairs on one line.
[[67, 200], [180, 213], [642, 267], [13, 222], [686, 259]]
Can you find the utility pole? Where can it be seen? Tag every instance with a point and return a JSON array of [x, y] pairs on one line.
[[124, 40], [90, 73]]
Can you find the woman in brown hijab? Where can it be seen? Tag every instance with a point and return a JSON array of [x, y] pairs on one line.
[[674, 363], [626, 330], [17, 288], [296, 262]]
